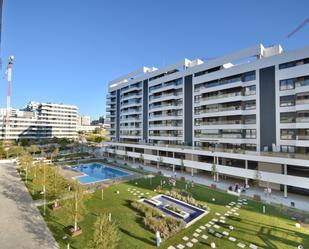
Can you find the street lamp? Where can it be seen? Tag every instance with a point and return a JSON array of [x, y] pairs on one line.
[[66, 240]]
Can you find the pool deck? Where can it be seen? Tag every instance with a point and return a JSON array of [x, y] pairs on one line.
[[69, 173]]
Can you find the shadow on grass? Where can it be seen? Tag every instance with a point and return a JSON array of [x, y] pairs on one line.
[[147, 241]]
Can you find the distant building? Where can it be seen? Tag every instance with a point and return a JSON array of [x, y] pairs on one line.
[[99, 121], [40, 121], [84, 120]]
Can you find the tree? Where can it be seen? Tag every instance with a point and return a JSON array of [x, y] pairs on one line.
[[182, 165], [214, 171], [75, 206], [141, 158], [54, 154], [160, 161], [105, 234], [56, 185], [257, 178], [42, 172], [33, 149], [25, 161]]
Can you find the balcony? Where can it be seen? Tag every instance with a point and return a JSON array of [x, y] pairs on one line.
[[165, 106], [302, 137]]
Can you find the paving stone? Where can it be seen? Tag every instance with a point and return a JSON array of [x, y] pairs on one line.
[[180, 246], [226, 233], [147, 193], [226, 214], [215, 220], [198, 230], [171, 247], [204, 236], [216, 226], [229, 212], [237, 214], [231, 227], [196, 235], [211, 231], [222, 221], [189, 244], [202, 227], [211, 222], [241, 245], [218, 214], [219, 235], [227, 206], [185, 238], [232, 239], [208, 225], [252, 246], [134, 194], [194, 240], [245, 203], [222, 218]]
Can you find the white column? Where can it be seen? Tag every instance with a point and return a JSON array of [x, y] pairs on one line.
[[246, 167], [173, 167], [192, 173], [285, 171]]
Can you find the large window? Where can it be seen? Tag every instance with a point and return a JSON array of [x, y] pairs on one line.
[[287, 100], [287, 84], [293, 63]]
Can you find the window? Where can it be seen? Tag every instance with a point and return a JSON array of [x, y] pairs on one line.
[[250, 133], [287, 149], [248, 76], [250, 90], [293, 63], [287, 117], [287, 100], [287, 84], [288, 134]]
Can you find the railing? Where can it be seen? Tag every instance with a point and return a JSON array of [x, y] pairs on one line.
[[164, 105], [163, 96], [302, 137]]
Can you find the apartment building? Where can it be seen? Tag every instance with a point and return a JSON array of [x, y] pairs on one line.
[[39, 121], [246, 112]]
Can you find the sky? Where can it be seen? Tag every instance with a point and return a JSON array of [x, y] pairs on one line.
[[66, 51]]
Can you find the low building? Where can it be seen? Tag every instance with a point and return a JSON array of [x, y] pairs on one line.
[[39, 121]]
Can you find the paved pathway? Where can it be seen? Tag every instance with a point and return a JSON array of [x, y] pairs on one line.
[[301, 201], [21, 225]]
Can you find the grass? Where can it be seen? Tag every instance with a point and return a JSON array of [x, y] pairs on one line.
[[270, 230]]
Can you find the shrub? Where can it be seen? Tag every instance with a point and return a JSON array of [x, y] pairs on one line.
[[155, 221], [185, 197]]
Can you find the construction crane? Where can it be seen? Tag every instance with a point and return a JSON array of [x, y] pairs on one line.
[[8, 98], [300, 26]]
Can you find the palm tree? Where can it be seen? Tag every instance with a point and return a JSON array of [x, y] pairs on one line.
[[105, 234]]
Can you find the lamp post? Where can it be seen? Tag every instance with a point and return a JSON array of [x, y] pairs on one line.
[[67, 241]]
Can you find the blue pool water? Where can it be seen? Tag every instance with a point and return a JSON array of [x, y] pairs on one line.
[[95, 172]]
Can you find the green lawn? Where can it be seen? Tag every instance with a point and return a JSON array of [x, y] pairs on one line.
[[266, 231]]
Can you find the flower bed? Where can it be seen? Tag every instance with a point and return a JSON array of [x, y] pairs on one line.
[[177, 211]]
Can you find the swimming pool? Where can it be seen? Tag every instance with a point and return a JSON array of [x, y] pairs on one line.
[[96, 172]]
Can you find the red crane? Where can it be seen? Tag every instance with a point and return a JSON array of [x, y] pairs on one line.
[[298, 28]]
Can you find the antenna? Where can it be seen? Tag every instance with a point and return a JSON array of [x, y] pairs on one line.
[[298, 28], [8, 98]]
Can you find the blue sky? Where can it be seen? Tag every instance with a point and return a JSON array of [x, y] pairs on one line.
[[66, 51]]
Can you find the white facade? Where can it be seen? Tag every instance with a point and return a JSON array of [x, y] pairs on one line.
[[84, 120], [39, 121], [252, 101]]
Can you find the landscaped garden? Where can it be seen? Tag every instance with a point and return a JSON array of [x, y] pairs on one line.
[[237, 222]]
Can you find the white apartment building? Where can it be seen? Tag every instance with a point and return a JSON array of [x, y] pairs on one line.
[[84, 120], [246, 112], [39, 121]]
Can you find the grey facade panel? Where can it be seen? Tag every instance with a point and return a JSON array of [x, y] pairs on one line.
[[145, 110], [118, 115], [267, 107], [188, 110]]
